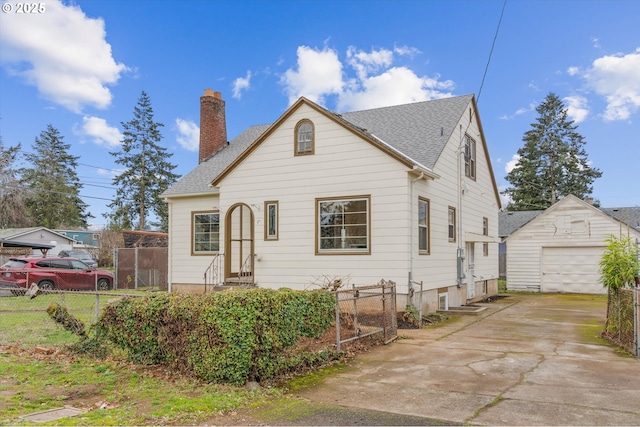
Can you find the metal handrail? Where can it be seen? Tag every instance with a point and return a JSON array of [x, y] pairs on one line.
[[245, 275], [212, 273]]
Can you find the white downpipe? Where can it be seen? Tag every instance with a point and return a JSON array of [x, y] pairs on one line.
[[460, 251], [410, 281]]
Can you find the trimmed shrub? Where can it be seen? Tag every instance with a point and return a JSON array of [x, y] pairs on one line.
[[230, 336]]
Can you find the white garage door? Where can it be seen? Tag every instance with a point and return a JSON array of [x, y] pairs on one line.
[[572, 269]]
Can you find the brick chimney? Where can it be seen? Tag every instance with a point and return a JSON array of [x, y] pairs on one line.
[[213, 124]]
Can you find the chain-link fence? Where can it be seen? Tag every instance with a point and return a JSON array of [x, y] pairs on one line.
[[623, 319], [24, 320], [138, 268], [365, 311]]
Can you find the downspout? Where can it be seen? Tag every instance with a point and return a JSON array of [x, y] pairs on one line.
[[460, 251], [169, 276], [410, 279]]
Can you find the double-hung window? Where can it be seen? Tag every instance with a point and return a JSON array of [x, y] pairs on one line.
[[424, 246], [451, 222], [304, 138], [343, 225], [485, 232], [205, 233], [469, 157]]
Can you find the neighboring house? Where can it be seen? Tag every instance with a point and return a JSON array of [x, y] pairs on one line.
[[85, 239], [403, 193], [39, 237], [559, 249]]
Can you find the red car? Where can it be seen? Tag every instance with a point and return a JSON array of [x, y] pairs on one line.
[[53, 273]]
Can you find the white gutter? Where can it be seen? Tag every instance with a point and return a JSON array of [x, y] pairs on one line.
[[417, 166]]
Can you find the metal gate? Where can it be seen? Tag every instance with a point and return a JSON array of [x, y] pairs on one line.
[[365, 311]]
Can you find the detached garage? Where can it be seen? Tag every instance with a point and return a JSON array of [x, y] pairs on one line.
[[559, 249]]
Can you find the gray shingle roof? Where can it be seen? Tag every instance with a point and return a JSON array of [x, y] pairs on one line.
[[508, 222], [418, 130], [629, 215], [197, 181]]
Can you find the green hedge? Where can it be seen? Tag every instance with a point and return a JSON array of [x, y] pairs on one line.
[[230, 336]]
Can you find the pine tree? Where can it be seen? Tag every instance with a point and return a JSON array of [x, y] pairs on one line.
[[53, 199], [147, 173], [552, 163], [13, 209]]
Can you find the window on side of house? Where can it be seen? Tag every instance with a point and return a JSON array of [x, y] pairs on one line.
[[205, 233], [451, 222], [271, 220], [469, 157], [343, 225], [304, 138], [424, 244], [485, 232]]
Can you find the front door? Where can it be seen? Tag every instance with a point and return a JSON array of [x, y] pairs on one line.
[[471, 281], [239, 257]]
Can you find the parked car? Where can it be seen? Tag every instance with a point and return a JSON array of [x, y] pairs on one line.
[[81, 255], [53, 273]]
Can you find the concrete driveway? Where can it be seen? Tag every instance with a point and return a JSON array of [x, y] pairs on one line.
[[526, 360]]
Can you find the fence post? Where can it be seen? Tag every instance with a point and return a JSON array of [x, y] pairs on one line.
[[337, 321], [97, 308], [135, 275], [636, 316]]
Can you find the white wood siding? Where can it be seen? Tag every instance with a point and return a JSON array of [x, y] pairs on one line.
[[569, 224], [183, 267], [478, 200], [343, 165]]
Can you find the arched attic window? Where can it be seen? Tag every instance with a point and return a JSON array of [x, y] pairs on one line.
[[304, 138]]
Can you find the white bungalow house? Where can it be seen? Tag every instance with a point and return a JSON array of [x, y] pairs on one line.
[[559, 249], [403, 193]]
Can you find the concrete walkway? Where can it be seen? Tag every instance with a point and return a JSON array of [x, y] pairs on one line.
[[526, 360]]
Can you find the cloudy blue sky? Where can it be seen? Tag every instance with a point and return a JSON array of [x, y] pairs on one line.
[[81, 67]]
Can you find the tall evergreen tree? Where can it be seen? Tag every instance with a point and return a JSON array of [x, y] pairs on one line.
[[552, 163], [148, 172], [53, 199], [13, 209]]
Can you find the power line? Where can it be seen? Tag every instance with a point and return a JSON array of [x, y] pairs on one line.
[[495, 37], [55, 192]]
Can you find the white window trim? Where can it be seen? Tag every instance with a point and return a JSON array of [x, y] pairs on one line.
[[193, 232]]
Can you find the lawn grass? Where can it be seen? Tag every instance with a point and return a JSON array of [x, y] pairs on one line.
[[25, 322], [129, 395]]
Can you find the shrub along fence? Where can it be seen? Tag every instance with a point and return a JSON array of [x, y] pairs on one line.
[[230, 336], [623, 319]]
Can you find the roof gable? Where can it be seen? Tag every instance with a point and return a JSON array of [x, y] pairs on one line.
[[414, 134], [571, 199]]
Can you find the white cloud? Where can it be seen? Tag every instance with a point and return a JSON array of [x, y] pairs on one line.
[[188, 134], [375, 81], [240, 84], [319, 74], [572, 71], [407, 50], [63, 53], [577, 108], [101, 133], [511, 164], [393, 87], [365, 63], [617, 79]]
